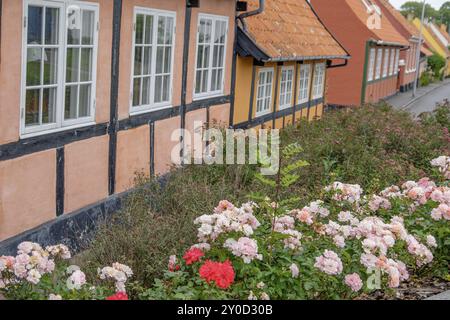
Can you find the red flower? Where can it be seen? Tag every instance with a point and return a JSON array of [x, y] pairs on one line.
[[193, 255], [221, 273], [118, 296]]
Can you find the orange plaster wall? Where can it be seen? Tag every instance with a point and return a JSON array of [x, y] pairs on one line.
[[86, 173], [133, 156], [164, 144], [220, 115], [126, 49], [10, 70], [27, 192]]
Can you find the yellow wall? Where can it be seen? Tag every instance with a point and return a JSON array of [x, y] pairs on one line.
[[244, 69]]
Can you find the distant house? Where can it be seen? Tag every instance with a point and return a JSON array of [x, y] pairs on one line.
[[408, 57], [375, 46], [284, 55], [436, 41]]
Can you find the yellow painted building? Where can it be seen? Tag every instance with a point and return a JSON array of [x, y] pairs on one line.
[[283, 56], [434, 43]]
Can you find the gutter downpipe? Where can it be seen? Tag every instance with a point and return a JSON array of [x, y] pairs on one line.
[[244, 15]]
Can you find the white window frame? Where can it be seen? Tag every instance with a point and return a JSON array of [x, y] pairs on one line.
[[379, 62], [152, 106], [304, 82], [259, 87], [371, 69], [60, 124], [391, 62], [209, 93], [286, 93], [318, 81], [385, 62]]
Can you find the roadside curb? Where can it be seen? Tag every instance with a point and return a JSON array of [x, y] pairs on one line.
[[441, 296], [405, 106]]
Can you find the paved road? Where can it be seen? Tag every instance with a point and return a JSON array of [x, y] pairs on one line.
[[426, 98], [428, 101]]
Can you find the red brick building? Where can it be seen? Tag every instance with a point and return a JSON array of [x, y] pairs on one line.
[[375, 46]]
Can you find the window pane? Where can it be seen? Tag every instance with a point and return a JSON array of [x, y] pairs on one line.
[[200, 56], [34, 59], [35, 17], [32, 107], [49, 106], [138, 61], [85, 100], [214, 80], [158, 89], [166, 88], [161, 29], [86, 64], [147, 60], [73, 35], [136, 91], [139, 28], [149, 29], [206, 57], [88, 27], [50, 66], [169, 30], [71, 102], [205, 81], [198, 81], [146, 91], [159, 59], [72, 64], [51, 25], [167, 60]]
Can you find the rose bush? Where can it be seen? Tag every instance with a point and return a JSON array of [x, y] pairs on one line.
[[339, 246], [45, 274]]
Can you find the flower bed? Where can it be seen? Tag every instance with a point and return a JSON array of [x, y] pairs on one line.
[[340, 246]]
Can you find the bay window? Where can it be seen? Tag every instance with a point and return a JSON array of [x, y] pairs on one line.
[[152, 66], [59, 65], [318, 81], [286, 84], [304, 80], [211, 55], [264, 91]]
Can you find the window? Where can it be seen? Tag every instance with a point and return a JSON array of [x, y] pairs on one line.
[[391, 63], [153, 52], [371, 64], [305, 75], [264, 92], [386, 63], [286, 84], [59, 65], [319, 80], [397, 57], [211, 54], [379, 61]]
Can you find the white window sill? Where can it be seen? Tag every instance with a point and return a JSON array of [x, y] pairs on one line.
[[286, 106], [207, 96], [262, 113], [149, 110], [62, 129]]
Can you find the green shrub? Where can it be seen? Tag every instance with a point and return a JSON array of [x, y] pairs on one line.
[[436, 63], [425, 79]]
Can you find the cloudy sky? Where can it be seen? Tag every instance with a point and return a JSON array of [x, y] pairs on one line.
[[435, 3]]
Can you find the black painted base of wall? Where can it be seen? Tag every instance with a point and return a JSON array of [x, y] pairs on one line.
[[407, 87], [74, 230]]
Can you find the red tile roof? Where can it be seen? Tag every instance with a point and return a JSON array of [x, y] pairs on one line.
[[399, 17], [290, 30]]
